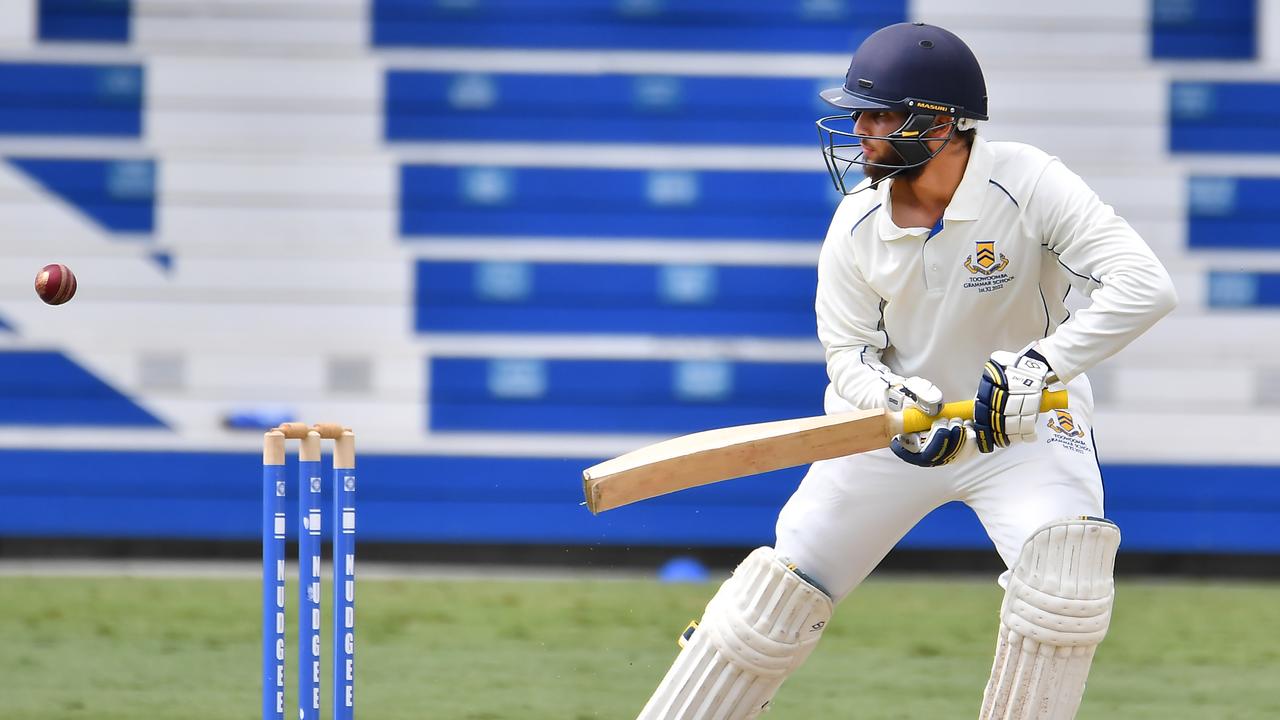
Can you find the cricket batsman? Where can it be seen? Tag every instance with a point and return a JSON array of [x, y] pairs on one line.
[[945, 270]]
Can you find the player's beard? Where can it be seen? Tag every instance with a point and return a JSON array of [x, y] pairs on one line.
[[880, 172], [886, 156]]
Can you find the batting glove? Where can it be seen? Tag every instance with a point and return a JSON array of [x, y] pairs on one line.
[[914, 392], [1008, 399], [946, 441]]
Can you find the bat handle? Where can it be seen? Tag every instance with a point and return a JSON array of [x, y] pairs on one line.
[[915, 421]]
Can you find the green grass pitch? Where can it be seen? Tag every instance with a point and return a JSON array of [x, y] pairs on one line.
[[117, 648]]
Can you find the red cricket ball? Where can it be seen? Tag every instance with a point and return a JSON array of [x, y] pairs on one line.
[[55, 283]]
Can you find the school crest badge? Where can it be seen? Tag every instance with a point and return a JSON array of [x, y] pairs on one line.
[[1067, 432], [987, 262], [1061, 422], [986, 268]]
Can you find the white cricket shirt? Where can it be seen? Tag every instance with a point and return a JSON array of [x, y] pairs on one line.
[[1021, 231]]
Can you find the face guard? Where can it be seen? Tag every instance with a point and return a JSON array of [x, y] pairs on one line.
[[842, 146]]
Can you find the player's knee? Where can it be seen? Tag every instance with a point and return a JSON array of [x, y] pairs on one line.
[[1062, 589], [1056, 611], [760, 626], [768, 615]]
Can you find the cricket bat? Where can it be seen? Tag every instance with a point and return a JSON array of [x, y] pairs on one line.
[[706, 457]]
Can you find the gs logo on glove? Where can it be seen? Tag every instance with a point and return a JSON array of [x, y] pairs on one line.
[[1008, 399]]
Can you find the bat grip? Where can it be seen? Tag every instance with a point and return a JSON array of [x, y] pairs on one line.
[[915, 421]]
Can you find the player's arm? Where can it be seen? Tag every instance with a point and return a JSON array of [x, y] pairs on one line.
[[850, 322], [1103, 257], [851, 328], [1106, 259]]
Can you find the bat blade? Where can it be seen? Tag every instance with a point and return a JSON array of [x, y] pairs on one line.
[[713, 455], [726, 453]]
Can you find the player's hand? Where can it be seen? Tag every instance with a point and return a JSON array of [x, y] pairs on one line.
[[914, 391], [1008, 399], [946, 441]]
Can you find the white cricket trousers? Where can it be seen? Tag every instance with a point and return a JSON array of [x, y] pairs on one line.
[[849, 512]]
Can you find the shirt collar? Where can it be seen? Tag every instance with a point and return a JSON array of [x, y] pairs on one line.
[[966, 204]]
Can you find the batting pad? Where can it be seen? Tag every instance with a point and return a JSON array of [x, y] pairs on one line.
[[760, 626], [1056, 611]]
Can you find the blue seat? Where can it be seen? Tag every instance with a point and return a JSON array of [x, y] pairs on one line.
[[606, 203], [84, 20], [1224, 117], [528, 500], [617, 396], [513, 297], [43, 388], [118, 194], [1195, 508], [402, 498], [700, 25], [1218, 30], [64, 99], [423, 105], [1232, 213], [1237, 289]]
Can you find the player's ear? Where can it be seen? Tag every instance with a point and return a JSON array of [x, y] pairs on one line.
[[941, 125]]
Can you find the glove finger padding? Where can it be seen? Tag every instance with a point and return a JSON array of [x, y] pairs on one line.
[[914, 391], [1008, 399], [941, 444]]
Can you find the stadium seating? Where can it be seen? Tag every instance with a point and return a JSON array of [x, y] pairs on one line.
[[602, 108], [701, 25], [606, 204], [84, 20], [1232, 213], [1232, 289], [46, 388], [1224, 117], [476, 499], [118, 194], [1221, 30], [617, 396], [69, 100], [681, 300], [505, 238]]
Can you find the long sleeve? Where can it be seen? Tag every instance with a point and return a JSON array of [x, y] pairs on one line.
[[1128, 288], [850, 324]]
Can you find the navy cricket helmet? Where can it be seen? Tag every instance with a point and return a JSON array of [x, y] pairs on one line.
[[918, 69]]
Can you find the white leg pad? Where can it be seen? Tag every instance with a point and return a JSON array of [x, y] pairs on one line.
[[760, 626], [1056, 611]]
